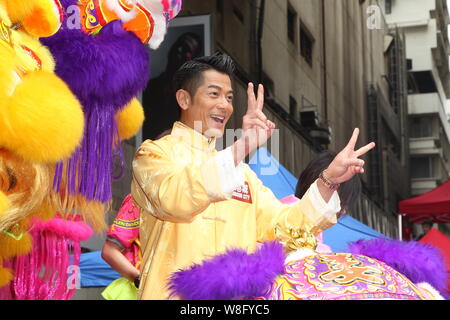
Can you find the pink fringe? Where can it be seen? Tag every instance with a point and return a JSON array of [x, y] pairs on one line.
[[73, 230], [47, 272]]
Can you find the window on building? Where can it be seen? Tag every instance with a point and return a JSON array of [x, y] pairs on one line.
[[388, 6], [269, 86], [421, 82], [306, 44], [422, 167], [420, 127], [293, 108], [220, 8], [393, 77], [238, 13], [390, 140], [291, 19]]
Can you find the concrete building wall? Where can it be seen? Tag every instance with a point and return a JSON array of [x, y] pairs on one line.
[[411, 11], [417, 51], [353, 58], [425, 24]]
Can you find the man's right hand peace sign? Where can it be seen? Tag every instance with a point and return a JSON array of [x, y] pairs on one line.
[[256, 128], [254, 116]]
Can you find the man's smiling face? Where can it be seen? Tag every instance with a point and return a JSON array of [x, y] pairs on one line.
[[211, 105]]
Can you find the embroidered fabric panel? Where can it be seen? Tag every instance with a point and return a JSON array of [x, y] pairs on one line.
[[341, 276]]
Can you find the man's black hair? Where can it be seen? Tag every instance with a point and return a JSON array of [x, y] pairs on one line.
[[189, 77], [349, 191]]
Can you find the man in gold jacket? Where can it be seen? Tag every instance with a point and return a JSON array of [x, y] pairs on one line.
[[197, 202]]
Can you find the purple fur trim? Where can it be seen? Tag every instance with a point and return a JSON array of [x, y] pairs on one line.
[[105, 71], [419, 262], [232, 275], [91, 164], [97, 156]]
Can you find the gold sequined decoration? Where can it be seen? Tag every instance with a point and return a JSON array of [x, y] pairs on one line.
[[295, 238]]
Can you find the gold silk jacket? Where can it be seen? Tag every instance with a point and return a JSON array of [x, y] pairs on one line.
[[195, 203]]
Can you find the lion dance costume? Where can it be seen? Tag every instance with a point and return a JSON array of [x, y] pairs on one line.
[[41, 122], [105, 63], [100, 53]]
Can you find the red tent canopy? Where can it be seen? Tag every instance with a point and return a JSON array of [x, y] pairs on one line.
[[433, 205], [442, 242]]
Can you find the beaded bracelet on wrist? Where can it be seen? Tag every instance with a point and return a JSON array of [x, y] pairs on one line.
[[328, 182]]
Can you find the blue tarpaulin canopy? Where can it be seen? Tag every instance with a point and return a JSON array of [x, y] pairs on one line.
[[273, 175], [95, 272]]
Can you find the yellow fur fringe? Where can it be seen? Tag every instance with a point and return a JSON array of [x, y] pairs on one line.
[[92, 212], [5, 275], [15, 243], [26, 185], [4, 203], [40, 18]]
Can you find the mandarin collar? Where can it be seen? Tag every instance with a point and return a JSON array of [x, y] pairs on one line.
[[192, 137]]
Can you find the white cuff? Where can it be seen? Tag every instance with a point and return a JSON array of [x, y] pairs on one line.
[[329, 209], [231, 177], [299, 254], [429, 291]]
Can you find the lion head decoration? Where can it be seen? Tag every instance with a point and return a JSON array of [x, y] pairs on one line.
[[93, 53], [41, 120]]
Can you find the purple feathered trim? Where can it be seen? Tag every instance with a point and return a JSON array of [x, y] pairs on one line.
[[419, 262], [232, 275]]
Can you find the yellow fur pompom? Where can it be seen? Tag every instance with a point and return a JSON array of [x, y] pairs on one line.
[[43, 121], [5, 276], [14, 243], [130, 119], [7, 84], [4, 203], [40, 18]]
